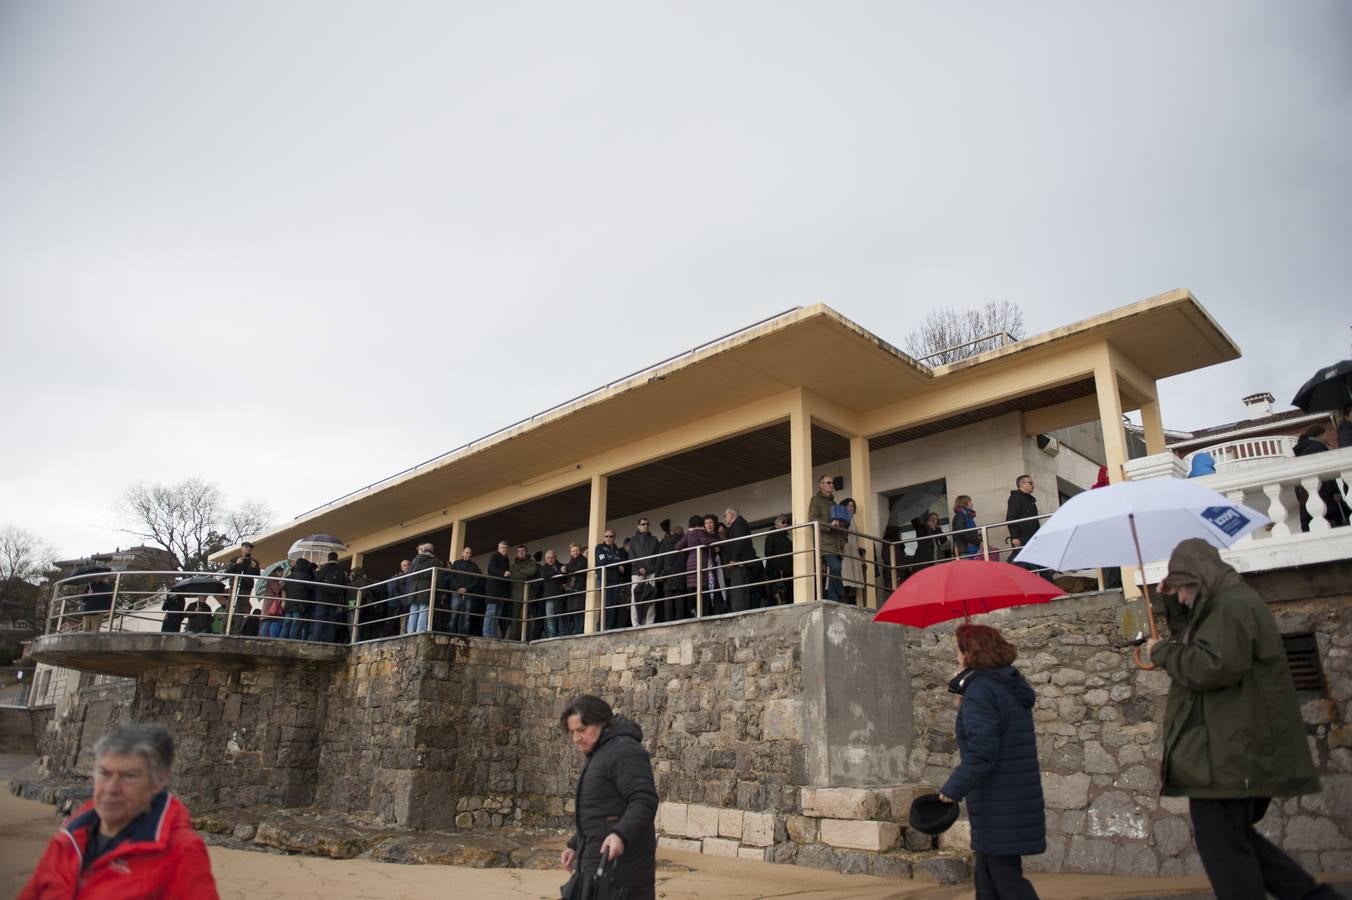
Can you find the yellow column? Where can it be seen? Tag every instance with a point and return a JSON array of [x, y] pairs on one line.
[[1153, 424], [1114, 441], [805, 563], [861, 488], [596, 526], [358, 559], [457, 538]]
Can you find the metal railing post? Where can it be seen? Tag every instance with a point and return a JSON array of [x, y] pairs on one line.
[[356, 617], [699, 581], [112, 601], [818, 563], [431, 598], [51, 606], [230, 612], [986, 543], [525, 612]]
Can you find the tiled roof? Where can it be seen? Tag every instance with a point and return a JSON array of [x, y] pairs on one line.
[[1274, 419]]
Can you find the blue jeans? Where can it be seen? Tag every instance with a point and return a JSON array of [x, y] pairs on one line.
[[551, 623], [417, 618], [491, 627], [459, 613], [293, 627], [272, 628], [833, 582]]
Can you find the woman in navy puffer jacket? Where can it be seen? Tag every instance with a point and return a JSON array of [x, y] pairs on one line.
[[999, 774]]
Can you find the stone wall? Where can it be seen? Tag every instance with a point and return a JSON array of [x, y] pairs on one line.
[[1098, 720], [418, 730], [791, 734], [243, 737]]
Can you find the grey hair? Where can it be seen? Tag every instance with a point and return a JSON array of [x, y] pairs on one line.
[[733, 510], [150, 741], [424, 548]]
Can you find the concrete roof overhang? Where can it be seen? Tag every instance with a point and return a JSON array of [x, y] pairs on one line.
[[128, 654], [813, 348]]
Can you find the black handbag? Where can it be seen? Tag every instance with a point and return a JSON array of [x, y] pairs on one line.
[[598, 885]]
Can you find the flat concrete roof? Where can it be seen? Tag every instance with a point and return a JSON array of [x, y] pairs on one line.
[[812, 347]]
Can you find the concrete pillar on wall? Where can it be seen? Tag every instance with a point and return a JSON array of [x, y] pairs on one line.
[[1114, 442], [861, 488], [800, 492], [596, 526], [1153, 424]]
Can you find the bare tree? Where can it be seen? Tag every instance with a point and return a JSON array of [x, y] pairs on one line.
[[25, 559], [948, 335], [190, 519]]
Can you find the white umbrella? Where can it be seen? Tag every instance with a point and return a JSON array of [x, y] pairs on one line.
[[1101, 527], [1133, 521], [316, 547]]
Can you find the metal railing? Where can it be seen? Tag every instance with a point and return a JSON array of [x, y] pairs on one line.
[[699, 578]]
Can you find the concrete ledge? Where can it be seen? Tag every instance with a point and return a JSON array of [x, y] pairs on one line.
[[129, 654]]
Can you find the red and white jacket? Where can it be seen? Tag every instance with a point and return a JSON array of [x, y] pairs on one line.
[[162, 856]]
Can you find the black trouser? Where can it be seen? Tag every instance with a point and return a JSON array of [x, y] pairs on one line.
[[1240, 863], [1001, 878]]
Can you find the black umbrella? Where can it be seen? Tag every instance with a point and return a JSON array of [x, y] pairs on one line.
[[1329, 390], [94, 569], [198, 584]]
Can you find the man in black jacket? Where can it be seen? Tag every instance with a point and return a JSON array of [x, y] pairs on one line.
[[610, 555], [299, 591], [243, 565], [616, 802], [1023, 505], [419, 585], [330, 598], [498, 587], [737, 553], [779, 562], [642, 574], [466, 584]]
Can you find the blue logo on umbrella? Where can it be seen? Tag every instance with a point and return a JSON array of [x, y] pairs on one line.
[[1226, 519]]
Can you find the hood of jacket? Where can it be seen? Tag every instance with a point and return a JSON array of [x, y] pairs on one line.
[[1195, 560], [302, 568], [1307, 445], [1007, 676], [619, 727]]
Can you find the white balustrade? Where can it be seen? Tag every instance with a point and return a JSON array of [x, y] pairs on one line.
[[1246, 452], [1269, 486]]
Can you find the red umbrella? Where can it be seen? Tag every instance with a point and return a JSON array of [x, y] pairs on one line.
[[956, 590]]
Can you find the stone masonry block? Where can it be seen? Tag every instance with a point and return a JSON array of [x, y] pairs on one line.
[[684, 845], [959, 837], [671, 817], [860, 835], [840, 803], [756, 853], [758, 829], [720, 846], [730, 823], [701, 821], [801, 829]]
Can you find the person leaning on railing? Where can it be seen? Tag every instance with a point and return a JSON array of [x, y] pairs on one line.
[[778, 561], [966, 536], [832, 547]]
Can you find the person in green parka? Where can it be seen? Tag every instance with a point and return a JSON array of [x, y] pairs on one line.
[[1233, 733]]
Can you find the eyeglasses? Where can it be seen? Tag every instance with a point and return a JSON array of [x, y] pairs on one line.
[[642, 524], [609, 536]]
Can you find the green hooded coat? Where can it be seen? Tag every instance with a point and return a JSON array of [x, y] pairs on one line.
[[1232, 727]]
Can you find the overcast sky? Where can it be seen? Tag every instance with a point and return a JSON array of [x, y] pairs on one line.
[[294, 247]]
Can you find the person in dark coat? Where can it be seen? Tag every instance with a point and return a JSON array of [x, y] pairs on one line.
[[330, 598], [931, 546], [998, 774], [299, 590], [498, 588], [696, 561], [552, 584], [616, 802], [173, 607], [1234, 737], [1023, 505], [467, 584], [779, 562], [671, 574], [243, 565], [737, 556], [608, 556], [1336, 512], [199, 616]]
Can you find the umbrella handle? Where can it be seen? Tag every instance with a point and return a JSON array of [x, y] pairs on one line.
[[1145, 589]]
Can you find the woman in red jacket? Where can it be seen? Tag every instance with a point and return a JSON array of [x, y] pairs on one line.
[[134, 839]]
